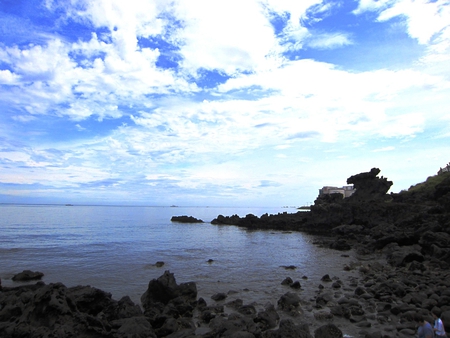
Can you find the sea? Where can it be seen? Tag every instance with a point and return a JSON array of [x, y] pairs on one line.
[[115, 248]]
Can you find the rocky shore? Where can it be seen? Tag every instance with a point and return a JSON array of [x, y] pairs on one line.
[[409, 231], [402, 245]]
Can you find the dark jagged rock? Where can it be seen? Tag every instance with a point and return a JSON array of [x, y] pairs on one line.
[[368, 186], [269, 318], [289, 301], [54, 310], [27, 275], [288, 329], [287, 281], [235, 325], [328, 331], [165, 289], [218, 296], [185, 219]]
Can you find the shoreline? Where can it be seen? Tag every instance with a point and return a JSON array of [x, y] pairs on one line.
[[329, 303], [400, 244]]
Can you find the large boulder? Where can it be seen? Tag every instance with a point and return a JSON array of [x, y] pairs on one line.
[[27, 275], [165, 288], [289, 301], [402, 255], [268, 318]]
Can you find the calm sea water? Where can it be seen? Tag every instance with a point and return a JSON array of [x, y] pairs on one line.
[[115, 249]]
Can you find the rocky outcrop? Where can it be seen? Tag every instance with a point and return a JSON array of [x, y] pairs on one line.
[[168, 306], [54, 310], [27, 275], [410, 230], [185, 219], [368, 186]]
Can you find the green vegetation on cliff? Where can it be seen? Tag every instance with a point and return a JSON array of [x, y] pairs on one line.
[[430, 184]]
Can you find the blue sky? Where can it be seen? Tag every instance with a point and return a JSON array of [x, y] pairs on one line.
[[227, 103]]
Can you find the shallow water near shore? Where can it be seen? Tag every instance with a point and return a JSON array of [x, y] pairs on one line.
[[114, 248]]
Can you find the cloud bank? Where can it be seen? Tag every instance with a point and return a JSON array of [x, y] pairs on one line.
[[223, 103]]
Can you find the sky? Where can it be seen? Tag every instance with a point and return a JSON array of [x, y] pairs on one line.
[[218, 103]]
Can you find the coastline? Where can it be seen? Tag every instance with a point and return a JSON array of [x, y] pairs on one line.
[[365, 300], [398, 247]]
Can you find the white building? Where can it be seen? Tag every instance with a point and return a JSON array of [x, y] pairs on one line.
[[445, 169], [346, 190]]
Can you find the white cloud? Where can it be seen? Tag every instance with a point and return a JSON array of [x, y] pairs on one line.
[[8, 78], [272, 116], [23, 118], [371, 5], [296, 9], [48, 76], [424, 18], [229, 36], [426, 21], [388, 148], [329, 41]]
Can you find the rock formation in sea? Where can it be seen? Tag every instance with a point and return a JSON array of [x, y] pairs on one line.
[[186, 219]]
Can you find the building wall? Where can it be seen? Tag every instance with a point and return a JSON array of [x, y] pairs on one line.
[[346, 191], [445, 169]]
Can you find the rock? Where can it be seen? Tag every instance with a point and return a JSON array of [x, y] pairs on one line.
[[27, 275], [337, 284], [368, 186], [219, 296], [247, 310], [289, 301], [375, 334], [268, 319], [287, 281], [165, 289], [89, 300], [326, 278], [296, 285], [288, 329], [170, 326], [126, 309], [138, 327], [159, 264], [400, 256], [289, 267], [236, 304], [54, 310], [324, 298], [328, 331], [185, 219], [340, 311], [340, 244], [234, 324], [323, 315]]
